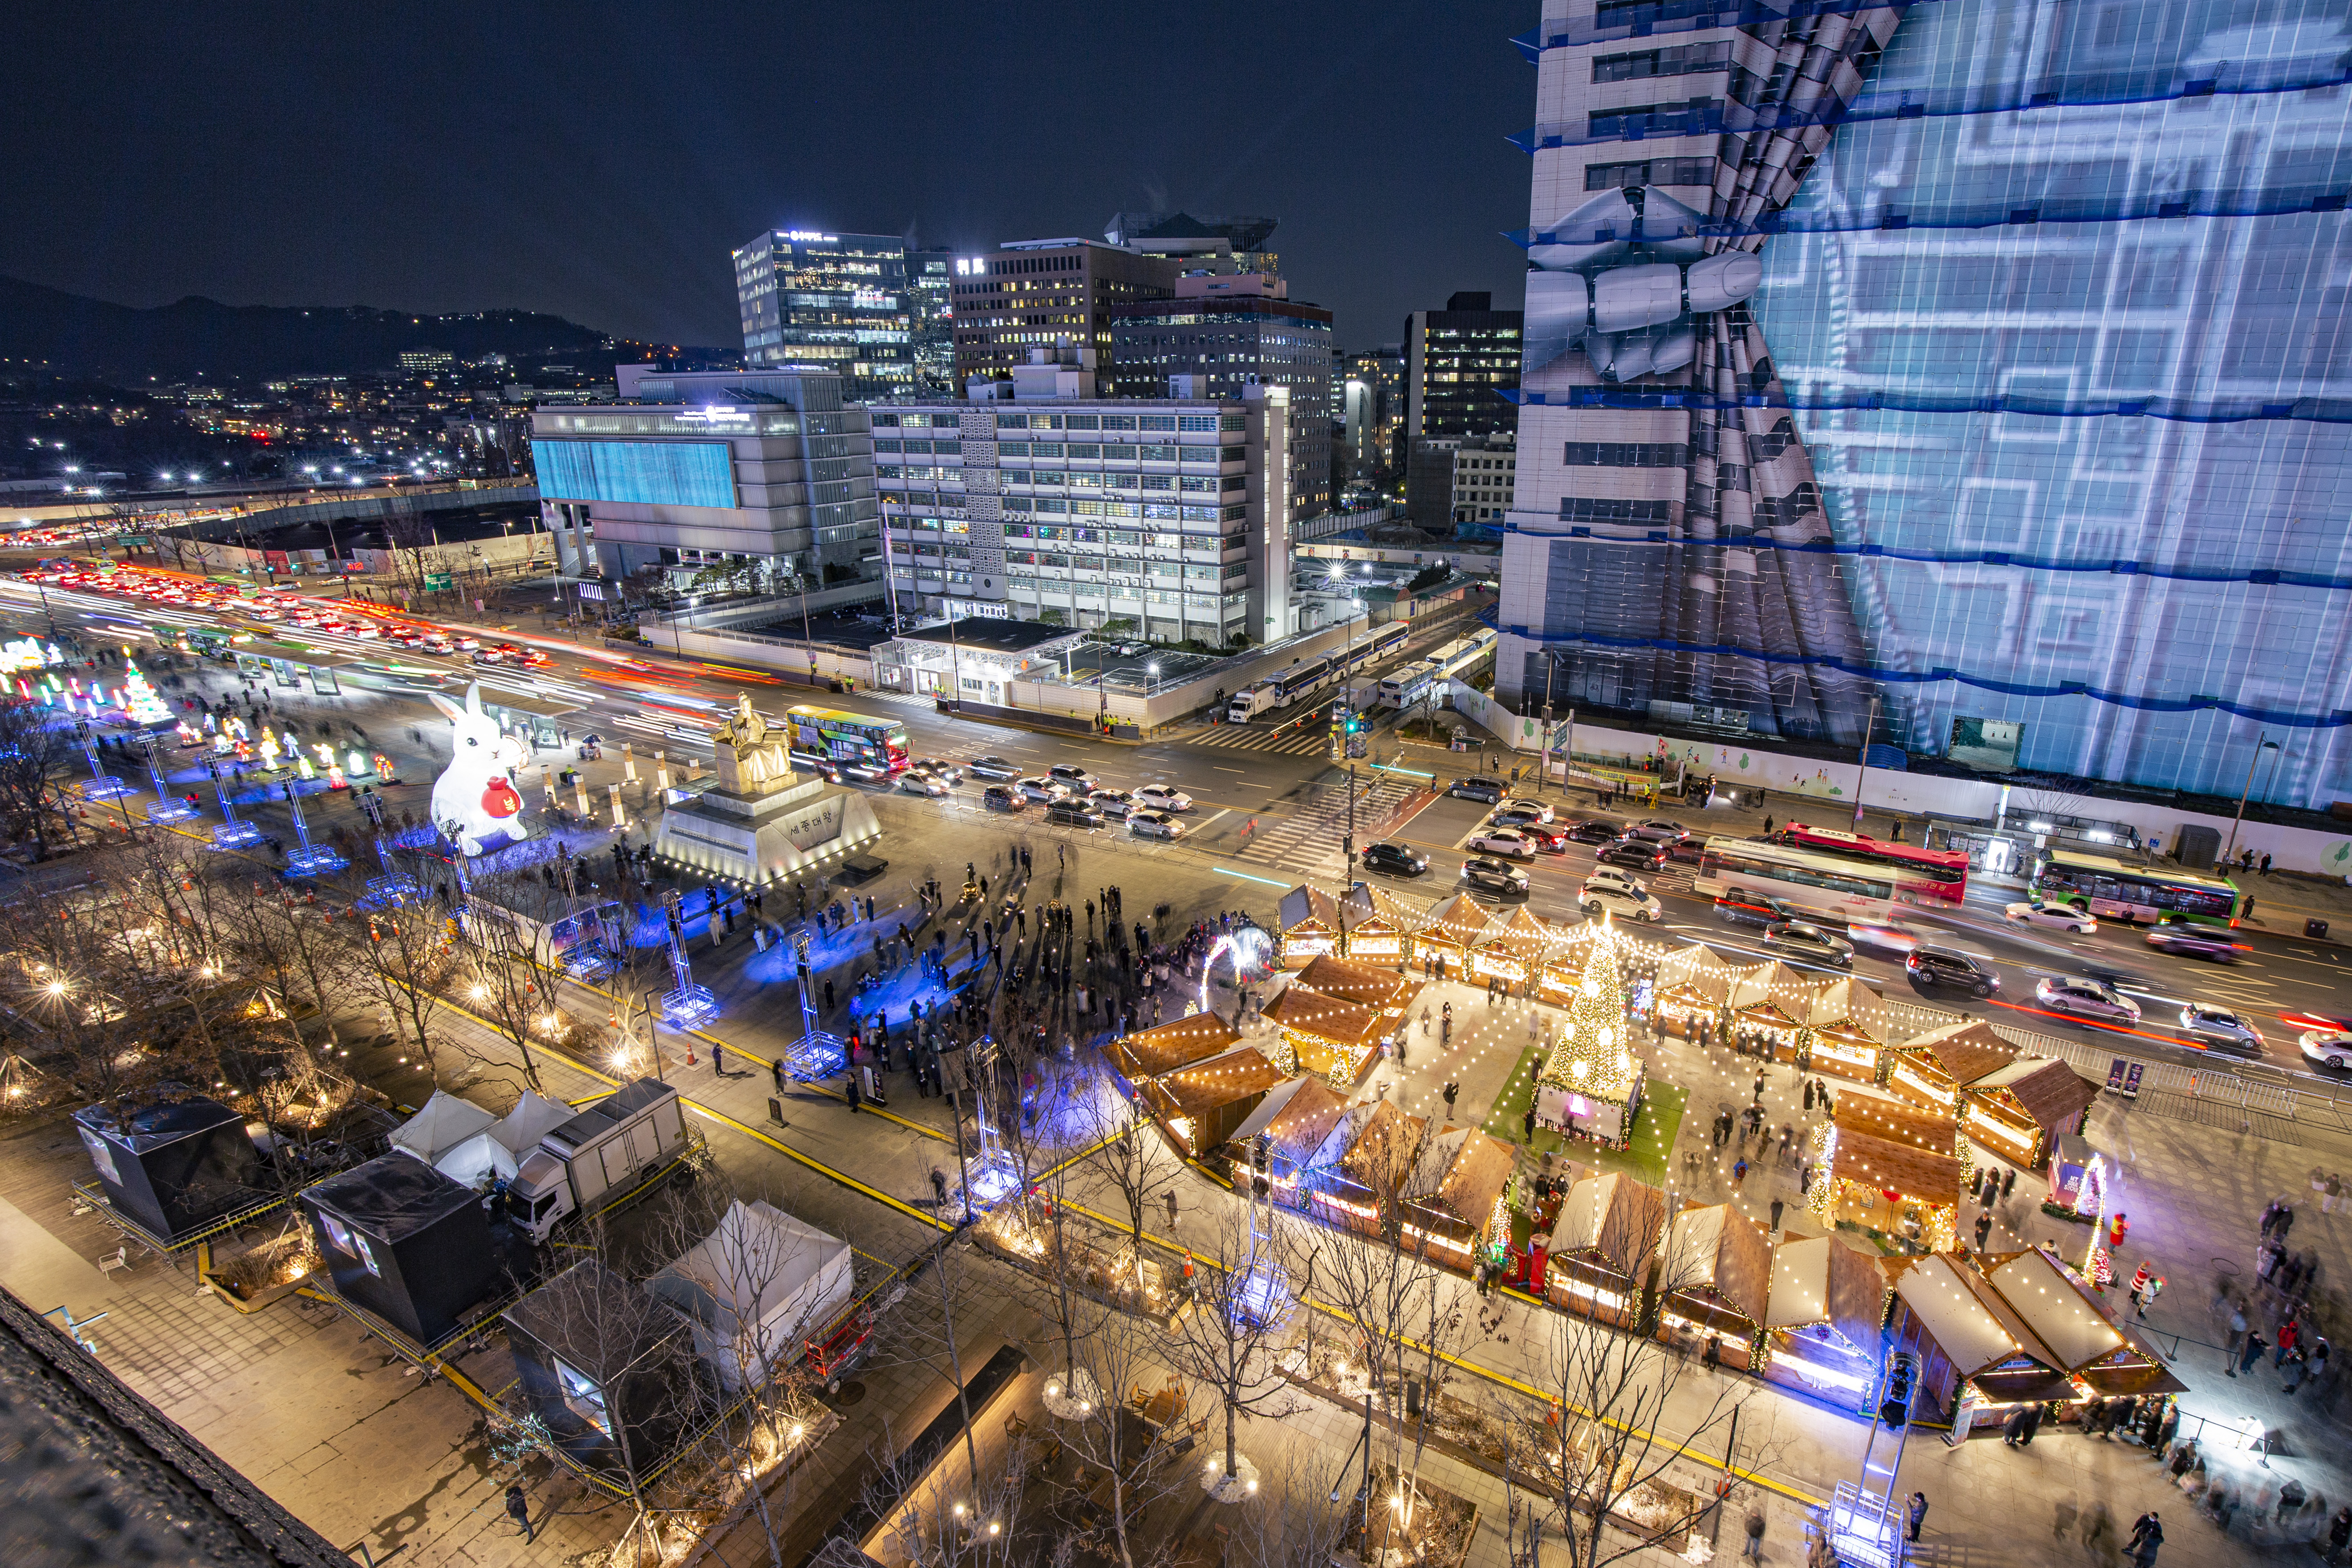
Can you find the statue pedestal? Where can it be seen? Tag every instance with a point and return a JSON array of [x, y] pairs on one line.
[[763, 821]]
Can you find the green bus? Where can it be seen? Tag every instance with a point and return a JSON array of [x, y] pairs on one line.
[[2111, 890], [845, 737]]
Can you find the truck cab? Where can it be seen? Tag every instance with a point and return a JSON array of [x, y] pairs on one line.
[[600, 1158]]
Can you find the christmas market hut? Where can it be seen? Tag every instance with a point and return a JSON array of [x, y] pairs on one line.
[[609, 1368], [1890, 1173], [2074, 1324], [1201, 1105], [1930, 1069], [1840, 1036], [172, 1170], [1379, 926], [1164, 1047], [1309, 918], [1516, 948], [1362, 983], [1598, 1261], [1977, 1359], [1332, 1038], [756, 1290], [2017, 1112], [1453, 929], [1303, 1123], [1464, 1212], [1693, 984], [1770, 1001], [1590, 1083], [1717, 1278], [1381, 1168], [406, 1243], [1822, 1317]]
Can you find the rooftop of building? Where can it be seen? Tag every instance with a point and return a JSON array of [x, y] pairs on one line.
[[990, 635]]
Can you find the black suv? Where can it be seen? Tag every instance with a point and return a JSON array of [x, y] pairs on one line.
[[1395, 859], [996, 798], [1073, 814], [1947, 968], [1754, 909], [1637, 854], [1597, 830]]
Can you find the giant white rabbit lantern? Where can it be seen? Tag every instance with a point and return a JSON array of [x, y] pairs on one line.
[[1621, 277], [474, 802]]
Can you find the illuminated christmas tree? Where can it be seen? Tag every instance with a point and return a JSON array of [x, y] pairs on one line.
[[1593, 1057], [139, 699]]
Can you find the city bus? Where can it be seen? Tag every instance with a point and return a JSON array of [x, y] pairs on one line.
[[847, 737], [1742, 870], [1461, 658], [1281, 690], [1376, 647], [1926, 875], [1404, 688], [2113, 890]]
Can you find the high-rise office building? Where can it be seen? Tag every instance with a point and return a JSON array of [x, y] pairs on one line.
[[2026, 421], [1231, 244], [1047, 293], [1032, 501], [1224, 332], [1458, 363], [834, 302], [1373, 388], [931, 305], [765, 470]]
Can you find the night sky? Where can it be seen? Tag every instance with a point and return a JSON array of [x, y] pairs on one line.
[[599, 162]]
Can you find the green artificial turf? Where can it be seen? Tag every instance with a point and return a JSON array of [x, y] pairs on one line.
[[1655, 1125]]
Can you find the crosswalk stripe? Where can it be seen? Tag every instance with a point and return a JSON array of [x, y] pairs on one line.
[[1293, 743]]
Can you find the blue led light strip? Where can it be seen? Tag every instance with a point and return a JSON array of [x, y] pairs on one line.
[[2319, 410]]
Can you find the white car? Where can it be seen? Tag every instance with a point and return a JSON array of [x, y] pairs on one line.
[[2056, 916], [1112, 801], [1043, 789], [2219, 1030], [915, 780], [1153, 824], [2092, 1001], [1161, 797], [1601, 897], [1621, 883], [952, 773], [1507, 842], [1536, 810], [2326, 1047], [995, 767]]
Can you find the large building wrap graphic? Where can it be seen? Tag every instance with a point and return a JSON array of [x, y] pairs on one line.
[[2038, 414]]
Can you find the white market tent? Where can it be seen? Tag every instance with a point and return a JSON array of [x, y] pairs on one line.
[[451, 1135], [756, 1290], [533, 1117]]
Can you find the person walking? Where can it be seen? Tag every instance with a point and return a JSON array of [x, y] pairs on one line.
[[2252, 1352], [718, 1060], [2012, 1431], [1776, 1213], [2147, 1298], [2148, 1534], [1754, 1547], [1916, 1513], [940, 1186], [854, 1096], [1171, 1208], [776, 1068], [518, 1509]]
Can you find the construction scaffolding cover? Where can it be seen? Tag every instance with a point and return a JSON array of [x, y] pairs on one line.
[[755, 1289]]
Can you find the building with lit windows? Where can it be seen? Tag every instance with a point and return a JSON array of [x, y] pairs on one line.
[[838, 303], [2029, 414], [1034, 502], [931, 307], [1047, 293], [1372, 411], [1458, 363], [1484, 470], [1224, 333], [768, 472]]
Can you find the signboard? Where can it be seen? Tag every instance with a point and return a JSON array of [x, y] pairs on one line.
[[592, 590], [2123, 1077], [439, 582]]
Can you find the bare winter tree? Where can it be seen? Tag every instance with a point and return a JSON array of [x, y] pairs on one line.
[[37, 753], [407, 952], [1127, 1151], [1257, 1263], [503, 982], [1128, 1463], [1297, 1519]]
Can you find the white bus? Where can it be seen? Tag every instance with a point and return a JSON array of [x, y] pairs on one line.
[[1403, 688], [1300, 681], [1743, 870], [1461, 658]]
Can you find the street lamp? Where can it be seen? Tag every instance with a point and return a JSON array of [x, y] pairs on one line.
[[2265, 744], [1154, 669]]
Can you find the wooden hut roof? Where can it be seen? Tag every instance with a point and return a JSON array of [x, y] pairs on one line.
[[1362, 983], [1386, 1151], [1481, 1169], [2134, 1369], [1164, 1047], [1524, 934], [1791, 990], [1896, 1124], [1937, 1290], [1371, 901], [2058, 1306], [1310, 1012], [1880, 1163], [1699, 970], [1857, 1294], [1612, 1217], [1306, 904], [1460, 919], [1203, 1087], [1306, 1118], [2050, 1092], [1964, 1051], [1717, 1249]]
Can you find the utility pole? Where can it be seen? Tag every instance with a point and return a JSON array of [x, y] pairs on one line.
[[1862, 774], [2262, 744]]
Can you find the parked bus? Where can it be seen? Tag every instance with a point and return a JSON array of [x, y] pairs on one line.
[[1300, 680], [1743, 869], [847, 737], [1375, 647], [1405, 686], [1926, 875], [2114, 891], [1460, 658]]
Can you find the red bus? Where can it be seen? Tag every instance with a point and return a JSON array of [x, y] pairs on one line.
[[1922, 874]]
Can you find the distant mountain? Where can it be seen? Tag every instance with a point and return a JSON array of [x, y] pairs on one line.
[[196, 337]]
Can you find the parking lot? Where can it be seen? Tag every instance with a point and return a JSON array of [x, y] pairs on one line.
[[1134, 669]]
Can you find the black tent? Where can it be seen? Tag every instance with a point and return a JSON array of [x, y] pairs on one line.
[[406, 1242], [609, 1367], [173, 1169]]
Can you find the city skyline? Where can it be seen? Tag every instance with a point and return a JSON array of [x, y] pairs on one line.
[[517, 169]]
